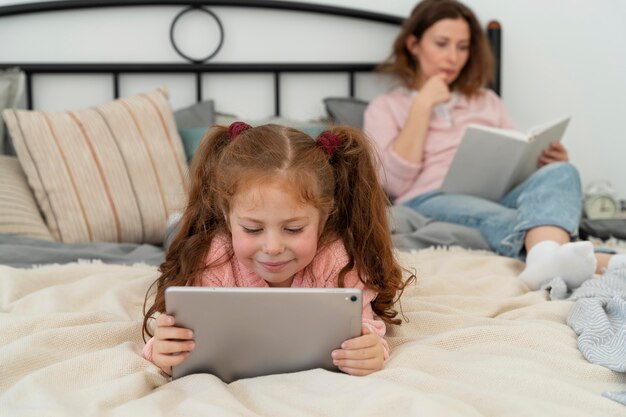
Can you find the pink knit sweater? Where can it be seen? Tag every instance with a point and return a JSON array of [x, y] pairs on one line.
[[322, 272]]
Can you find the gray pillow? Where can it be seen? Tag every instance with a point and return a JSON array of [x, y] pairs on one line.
[[11, 97], [200, 114], [346, 110]]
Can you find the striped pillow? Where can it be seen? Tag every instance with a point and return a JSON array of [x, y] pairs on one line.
[[108, 173], [19, 214]]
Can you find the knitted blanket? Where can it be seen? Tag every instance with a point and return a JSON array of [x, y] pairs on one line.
[[474, 342], [599, 318]]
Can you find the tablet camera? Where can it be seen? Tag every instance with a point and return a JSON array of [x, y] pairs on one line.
[[353, 298]]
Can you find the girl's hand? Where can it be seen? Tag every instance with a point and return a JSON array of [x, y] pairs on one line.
[[172, 345], [555, 152], [360, 355], [434, 91]]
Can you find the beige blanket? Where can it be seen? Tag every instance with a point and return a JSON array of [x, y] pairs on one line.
[[476, 343]]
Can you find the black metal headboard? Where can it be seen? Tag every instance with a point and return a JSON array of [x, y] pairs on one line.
[[200, 67]]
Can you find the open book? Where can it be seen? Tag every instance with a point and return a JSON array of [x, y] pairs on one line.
[[490, 161]]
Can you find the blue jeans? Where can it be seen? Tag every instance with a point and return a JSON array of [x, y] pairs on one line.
[[549, 197]]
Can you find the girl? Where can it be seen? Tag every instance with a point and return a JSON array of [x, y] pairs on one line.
[[442, 60], [272, 207]]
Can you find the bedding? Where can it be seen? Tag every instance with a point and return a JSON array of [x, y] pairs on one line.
[[474, 342], [24, 252], [599, 318], [311, 127], [113, 172], [192, 122], [346, 110], [200, 114], [410, 230], [19, 213], [11, 96]]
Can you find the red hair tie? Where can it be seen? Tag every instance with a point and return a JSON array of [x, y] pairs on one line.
[[236, 128], [329, 141]]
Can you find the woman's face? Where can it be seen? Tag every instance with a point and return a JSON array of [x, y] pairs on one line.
[[443, 49]]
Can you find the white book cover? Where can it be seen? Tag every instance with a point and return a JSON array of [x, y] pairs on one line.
[[490, 161]]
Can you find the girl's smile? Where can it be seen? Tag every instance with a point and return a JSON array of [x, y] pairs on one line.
[[273, 267]]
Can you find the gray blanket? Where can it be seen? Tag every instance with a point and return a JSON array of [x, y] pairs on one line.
[[410, 230], [599, 318], [23, 252]]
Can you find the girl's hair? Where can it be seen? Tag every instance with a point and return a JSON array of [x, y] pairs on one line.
[[478, 70], [343, 186]]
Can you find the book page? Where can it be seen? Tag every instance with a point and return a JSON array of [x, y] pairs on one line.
[[539, 139], [513, 134], [485, 162]]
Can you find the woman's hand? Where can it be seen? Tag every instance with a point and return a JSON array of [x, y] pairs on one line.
[[434, 91], [360, 355], [555, 152], [172, 345], [410, 140]]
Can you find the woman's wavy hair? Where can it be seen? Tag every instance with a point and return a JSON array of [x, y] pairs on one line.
[[477, 72], [343, 187]]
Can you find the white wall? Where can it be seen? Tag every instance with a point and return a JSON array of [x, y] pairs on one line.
[[559, 58]]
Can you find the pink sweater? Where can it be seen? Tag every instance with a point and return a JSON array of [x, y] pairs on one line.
[[322, 272], [385, 117]]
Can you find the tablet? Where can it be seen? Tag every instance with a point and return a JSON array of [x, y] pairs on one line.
[[250, 332]]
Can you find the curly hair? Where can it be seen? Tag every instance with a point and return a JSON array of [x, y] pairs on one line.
[[343, 186]]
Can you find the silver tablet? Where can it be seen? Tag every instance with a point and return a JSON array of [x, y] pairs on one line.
[[249, 332]]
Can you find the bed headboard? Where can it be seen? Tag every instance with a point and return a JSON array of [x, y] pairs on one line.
[[200, 67]]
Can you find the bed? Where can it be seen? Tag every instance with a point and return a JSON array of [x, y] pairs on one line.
[[474, 340]]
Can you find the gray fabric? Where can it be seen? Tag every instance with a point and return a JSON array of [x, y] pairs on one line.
[[619, 396], [599, 318], [346, 110], [411, 230], [200, 114], [11, 96], [23, 252], [603, 228]]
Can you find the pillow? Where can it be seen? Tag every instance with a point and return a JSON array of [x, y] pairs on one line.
[[11, 96], [310, 127], [200, 114], [19, 214], [192, 122], [192, 136], [108, 173], [346, 110]]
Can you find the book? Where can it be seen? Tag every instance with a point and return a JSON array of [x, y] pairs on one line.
[[490, 162]]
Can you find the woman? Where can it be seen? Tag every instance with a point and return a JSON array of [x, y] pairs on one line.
[[442, 60]]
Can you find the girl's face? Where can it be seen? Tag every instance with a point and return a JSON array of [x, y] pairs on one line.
[[273, 233], [443, 49]]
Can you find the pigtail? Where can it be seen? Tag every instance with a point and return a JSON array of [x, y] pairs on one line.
[[360, 218], [201, 221]]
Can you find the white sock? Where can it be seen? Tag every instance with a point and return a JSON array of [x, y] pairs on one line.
[[574, 262], [617, 261]]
